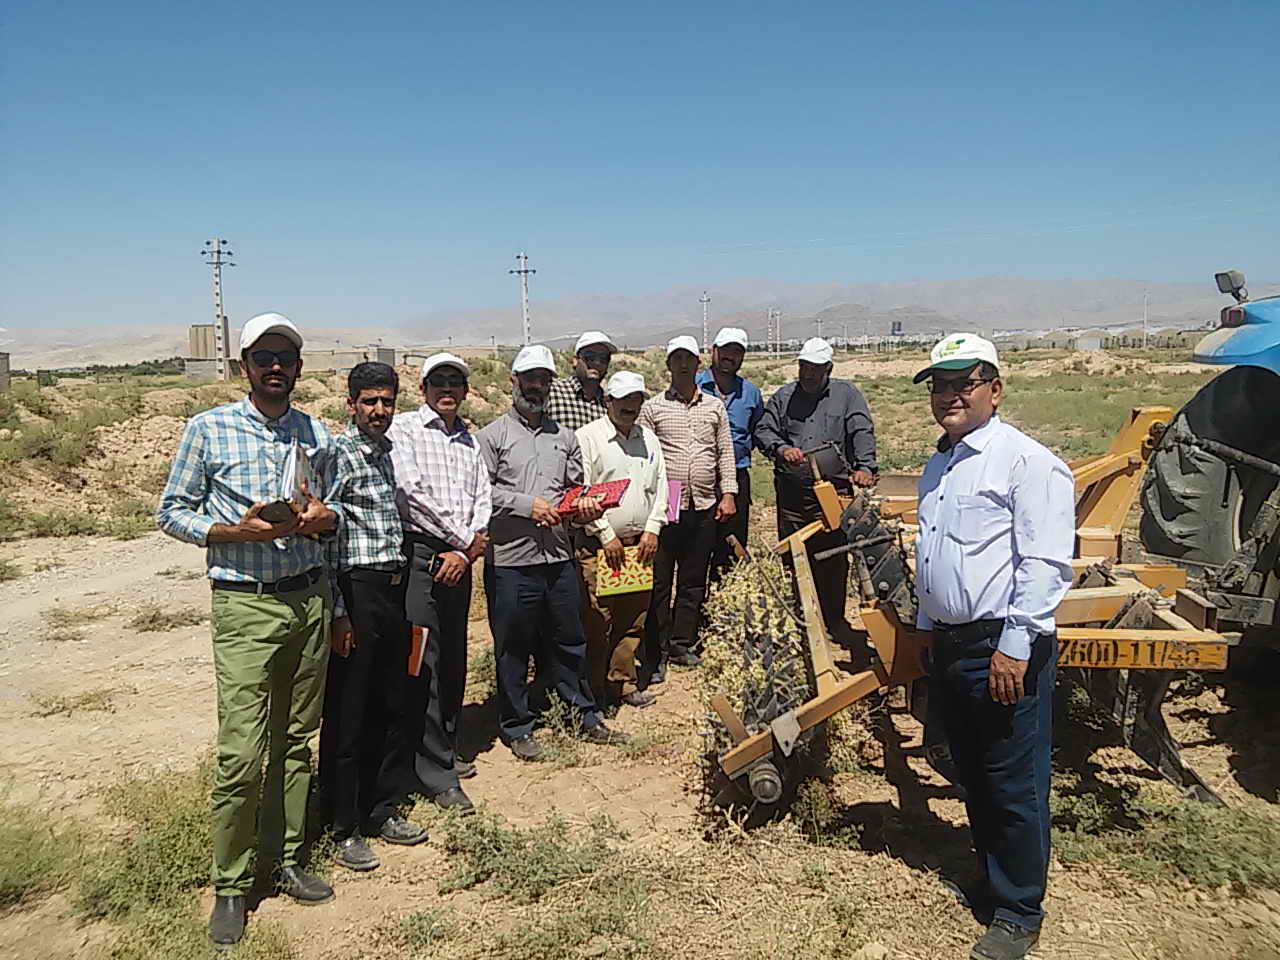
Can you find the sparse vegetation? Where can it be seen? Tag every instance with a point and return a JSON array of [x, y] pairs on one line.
[[154, 618], [84, 702], [9, 570], [63, 624], [178, 573], [40, 856]]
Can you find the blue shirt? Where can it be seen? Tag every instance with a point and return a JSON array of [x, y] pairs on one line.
[[745, 405], [997, 531]]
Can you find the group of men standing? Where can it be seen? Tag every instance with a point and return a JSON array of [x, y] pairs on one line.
[[372, 559]]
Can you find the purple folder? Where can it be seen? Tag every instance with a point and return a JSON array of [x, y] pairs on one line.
[[673, 501]]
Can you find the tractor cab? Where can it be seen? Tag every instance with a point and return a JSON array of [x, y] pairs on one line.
[[1248, 331]]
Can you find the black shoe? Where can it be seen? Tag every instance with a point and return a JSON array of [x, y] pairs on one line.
[[659, 675], [306, 888], [465, 769], [526, 748], [396, 829], [638, 699], [354, 854], [1004, 941], [685, 658], [455, 798], [603, 735], [226, 923]]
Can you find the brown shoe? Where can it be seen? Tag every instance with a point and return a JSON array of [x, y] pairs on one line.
[[638, 699]]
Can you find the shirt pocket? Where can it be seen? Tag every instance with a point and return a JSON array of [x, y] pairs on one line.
[[979, 520]]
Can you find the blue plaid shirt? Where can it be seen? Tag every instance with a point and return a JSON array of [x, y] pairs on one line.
[[229, 459]]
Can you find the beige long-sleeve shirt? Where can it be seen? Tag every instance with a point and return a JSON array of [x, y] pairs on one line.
[[696, 442], [608, 455]]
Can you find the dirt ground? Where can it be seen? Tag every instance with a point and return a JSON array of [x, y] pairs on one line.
[[161, 713]]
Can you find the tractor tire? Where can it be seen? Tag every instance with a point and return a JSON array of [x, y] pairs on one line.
[[1197, 507]]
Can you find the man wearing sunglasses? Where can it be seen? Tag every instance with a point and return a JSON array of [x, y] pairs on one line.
[[444, 497], [993, 561], [578, 399], [272, 609]]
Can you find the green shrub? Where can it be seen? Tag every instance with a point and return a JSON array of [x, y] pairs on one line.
[[9, 571], [39, 856]]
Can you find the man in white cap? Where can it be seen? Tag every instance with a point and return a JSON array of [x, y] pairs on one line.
[[993, 561], [576, 400], [743, 401], [272, 610], [443, 495], [530, 578], [693, 428], [816, 413], [616, 447]]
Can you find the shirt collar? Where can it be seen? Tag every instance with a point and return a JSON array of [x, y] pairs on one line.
[[429, 416], [706, 378], [253, 413], [369, 446], [670, 394], [636, 431], [975, 440]]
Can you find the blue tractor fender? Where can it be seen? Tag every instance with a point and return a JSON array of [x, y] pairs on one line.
[[1253, 339]]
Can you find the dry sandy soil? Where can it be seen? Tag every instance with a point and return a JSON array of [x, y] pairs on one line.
[[162, 713]]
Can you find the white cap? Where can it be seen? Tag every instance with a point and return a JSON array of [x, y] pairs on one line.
[[443, 360], [626, 382], [533, 357], [682, 343], [959, 351], [591, 338], [815, 350], [728, 335], [258, 327]]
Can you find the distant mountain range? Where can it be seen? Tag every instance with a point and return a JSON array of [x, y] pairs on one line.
[[984, 304]]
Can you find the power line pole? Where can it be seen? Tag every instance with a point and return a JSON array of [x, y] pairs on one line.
[[818, 323], [523, 272], [704, 300], [1144, 319], [218, 255]]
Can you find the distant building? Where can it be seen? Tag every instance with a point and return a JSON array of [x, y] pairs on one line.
[[199, 369], [4, 373], [1090, 341]]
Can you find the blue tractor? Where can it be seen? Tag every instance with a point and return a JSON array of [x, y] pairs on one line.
[[1211, 496]]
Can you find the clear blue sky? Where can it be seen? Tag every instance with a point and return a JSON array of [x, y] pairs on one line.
[[375, 161]]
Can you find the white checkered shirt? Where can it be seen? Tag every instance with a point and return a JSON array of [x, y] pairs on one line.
[[442, 484], [369, 535]]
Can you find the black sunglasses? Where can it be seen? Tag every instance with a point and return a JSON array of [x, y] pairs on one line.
[[962, 387], [266, 359], [595, 356], [441, 380]]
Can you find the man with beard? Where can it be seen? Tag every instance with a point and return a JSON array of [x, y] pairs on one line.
[[442, 491], [801, 417], [530, 579], [997, 530], [576, 400], [615, 447], [364, 753], [272, 610], [693, 429], [745, 405]]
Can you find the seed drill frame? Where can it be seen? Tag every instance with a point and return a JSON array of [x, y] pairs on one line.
[[1124, 629]]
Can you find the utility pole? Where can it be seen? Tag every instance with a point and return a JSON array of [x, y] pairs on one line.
[[817, 322], [846, 336], [217, 253], [1144, 319], [523, 272], [706, 342], [493, 345]]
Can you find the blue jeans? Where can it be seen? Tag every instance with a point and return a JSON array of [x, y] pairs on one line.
[[525, 605], [1003, 760]]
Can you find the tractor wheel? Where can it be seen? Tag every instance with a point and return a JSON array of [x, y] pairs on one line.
[[1197, 507]]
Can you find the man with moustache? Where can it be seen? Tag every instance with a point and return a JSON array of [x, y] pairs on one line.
[[576, 400], [443, 495], [812, 412], [272, 609], [530, 578], [693, 429], [615, 447], [745, 405], [364, 752], [993, 561]]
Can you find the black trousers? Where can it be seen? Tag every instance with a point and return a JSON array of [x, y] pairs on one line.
[[831, 576], [722, 555], [684, 552], [364, 754], [439, 688], [526, 604]]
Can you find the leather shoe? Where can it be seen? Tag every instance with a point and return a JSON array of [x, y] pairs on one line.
[[455, 798], [603, 735], [685, 658], [354, 854], [306, 888], [526, 748], [465, 769], [638, 699], [396, 829], [1004, 941], [226, 922]]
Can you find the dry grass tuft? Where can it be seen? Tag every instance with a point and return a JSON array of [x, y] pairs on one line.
[[153, 618], [85, 702]]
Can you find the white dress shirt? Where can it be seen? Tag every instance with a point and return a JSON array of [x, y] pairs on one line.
[[997, 532], [608, 455]]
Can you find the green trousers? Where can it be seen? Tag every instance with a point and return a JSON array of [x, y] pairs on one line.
[[269, 656]]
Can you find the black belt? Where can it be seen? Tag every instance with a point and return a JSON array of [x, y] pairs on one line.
[[287, 585], [372, 575], [963, 633]]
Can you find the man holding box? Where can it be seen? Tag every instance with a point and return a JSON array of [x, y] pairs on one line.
[[615, 447]]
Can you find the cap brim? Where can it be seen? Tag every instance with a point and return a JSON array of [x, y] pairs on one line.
[[945, 365]]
